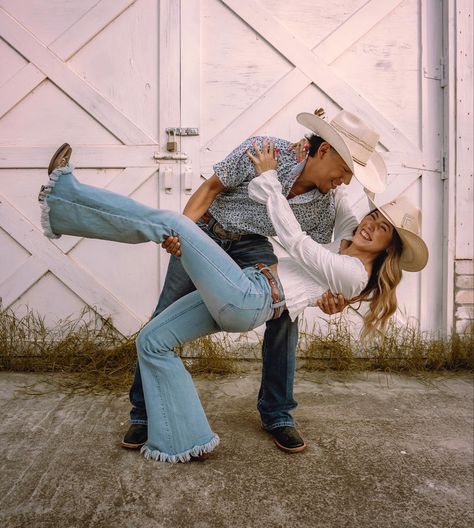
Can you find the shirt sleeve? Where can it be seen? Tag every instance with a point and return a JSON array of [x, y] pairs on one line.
[[342, 273], [346, 221], [237, 167]]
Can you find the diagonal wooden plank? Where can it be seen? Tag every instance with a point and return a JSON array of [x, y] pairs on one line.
[[103, 156], [21, 280], [316, 70], [290, 85], [88, 26], [65, 46], [70, 273], [354, 28], [74, 86], [19, 86], [127, 182]]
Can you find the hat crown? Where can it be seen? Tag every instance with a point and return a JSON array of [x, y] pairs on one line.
[[404, 215], [355, 143], [361, 139]]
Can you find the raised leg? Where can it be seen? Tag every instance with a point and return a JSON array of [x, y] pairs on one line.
[[238, 300]]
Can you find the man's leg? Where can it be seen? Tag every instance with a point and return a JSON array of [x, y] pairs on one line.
[[177, 285], [275, 398]]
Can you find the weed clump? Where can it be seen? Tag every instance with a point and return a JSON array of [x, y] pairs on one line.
[[90, 346], [399, 349]]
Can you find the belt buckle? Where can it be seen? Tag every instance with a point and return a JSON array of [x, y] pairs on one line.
[[222, 233]]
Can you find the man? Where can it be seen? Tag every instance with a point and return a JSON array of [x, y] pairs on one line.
[[222, 208]]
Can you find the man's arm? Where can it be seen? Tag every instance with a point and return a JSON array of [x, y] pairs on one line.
[[197, 205], [200, 201]]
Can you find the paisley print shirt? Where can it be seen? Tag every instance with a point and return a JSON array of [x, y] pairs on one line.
[[236, 212]]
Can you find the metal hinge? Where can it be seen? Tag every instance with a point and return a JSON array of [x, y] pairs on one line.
[[443, 73], [444, 167]]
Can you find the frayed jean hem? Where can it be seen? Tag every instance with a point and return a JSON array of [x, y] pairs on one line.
[[185, 456]]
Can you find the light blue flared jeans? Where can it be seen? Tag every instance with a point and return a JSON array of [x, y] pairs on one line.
[[227, 298]]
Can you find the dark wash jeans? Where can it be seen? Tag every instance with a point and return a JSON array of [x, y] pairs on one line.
[[275, 397]]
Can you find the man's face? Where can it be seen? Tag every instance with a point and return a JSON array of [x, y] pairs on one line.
[[330, 169]]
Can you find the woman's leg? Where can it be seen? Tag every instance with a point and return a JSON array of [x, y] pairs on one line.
[[177, 424], [238, 300]]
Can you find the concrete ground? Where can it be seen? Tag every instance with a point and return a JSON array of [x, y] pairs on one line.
[[384, 451]]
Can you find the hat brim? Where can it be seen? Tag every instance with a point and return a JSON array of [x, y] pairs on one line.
[[373, 176], [415, 252]]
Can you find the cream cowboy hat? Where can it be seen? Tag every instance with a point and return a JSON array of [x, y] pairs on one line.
[[406, 219], [355, 142]]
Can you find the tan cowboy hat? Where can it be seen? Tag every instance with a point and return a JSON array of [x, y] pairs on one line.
[[355, 142], [406, 219]]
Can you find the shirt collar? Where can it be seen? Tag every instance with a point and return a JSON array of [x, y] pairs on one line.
[[310, 196]]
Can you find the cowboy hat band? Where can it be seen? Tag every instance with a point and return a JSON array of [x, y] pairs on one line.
[[406, 219], [366, 149], [355, 142]]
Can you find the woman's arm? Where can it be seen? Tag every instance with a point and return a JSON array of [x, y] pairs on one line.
[[342, 274]]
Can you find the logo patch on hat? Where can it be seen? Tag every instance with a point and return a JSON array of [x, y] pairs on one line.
[[407, 222]]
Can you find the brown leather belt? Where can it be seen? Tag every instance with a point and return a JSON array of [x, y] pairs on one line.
[[219, 231], [277, 299]]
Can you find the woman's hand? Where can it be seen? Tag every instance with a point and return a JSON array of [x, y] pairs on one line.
[[301, 149], [266, 159]]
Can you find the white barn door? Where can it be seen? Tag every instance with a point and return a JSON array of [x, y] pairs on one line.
[[262, 62], [104, 76]]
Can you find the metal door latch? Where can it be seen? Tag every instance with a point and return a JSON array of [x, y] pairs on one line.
[[179, 131], [170, 156]]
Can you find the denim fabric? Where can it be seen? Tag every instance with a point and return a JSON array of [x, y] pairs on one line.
[[228, 298], [275, 399]]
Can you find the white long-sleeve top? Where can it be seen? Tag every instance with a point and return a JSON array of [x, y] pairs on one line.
[[311, 268]]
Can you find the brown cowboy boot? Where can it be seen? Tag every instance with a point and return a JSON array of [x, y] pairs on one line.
[[60, 157]]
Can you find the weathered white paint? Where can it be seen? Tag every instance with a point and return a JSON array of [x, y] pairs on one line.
[[362, 56], [230, 68], [56, 70], [64, 83], [449, 150], [431, 294], [464, 130]]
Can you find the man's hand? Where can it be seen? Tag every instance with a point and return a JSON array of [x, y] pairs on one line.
[[266, 159], [172, 246], [332, 304]]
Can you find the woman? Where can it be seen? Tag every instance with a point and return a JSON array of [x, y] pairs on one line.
[[228, 298]]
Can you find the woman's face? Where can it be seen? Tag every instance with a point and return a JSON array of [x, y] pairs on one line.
[[374, 233]]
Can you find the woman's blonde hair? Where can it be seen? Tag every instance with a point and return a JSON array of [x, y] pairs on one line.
[[380, 290]]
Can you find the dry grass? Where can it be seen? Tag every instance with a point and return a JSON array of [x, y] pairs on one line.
[[102, 359], [211, 355], [88, 345], [91, 347], [400, 349]]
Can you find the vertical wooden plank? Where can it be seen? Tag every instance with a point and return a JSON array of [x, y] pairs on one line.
[[431, 183], [169, 105], [464, 130], [449, 169], [190, 92]]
